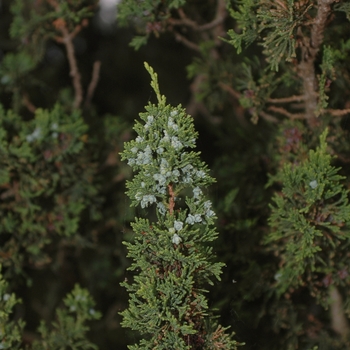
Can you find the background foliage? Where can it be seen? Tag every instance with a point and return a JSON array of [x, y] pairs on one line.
[[267, 84]]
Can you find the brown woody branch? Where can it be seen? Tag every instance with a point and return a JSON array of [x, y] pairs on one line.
[[181, 39], [171, 199], [309, 50], [67, 41], [93, 83], [230, 90], [283, 111], [337, 112], [286, 99], [338, 319], [185, 21], [28, 103]]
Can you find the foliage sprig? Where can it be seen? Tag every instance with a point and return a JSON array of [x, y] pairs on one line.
[[171, 257]]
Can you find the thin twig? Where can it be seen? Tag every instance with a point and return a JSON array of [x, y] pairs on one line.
[[336, 112], [286, 99], [310, 48], [338, 319], [284, 112], [171, 199], [26, 101], [93, 83], [268, 117], [74, 71], [230, 90], [186, 42], [185, 21]]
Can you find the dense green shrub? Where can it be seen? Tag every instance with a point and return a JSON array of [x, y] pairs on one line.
[[268, 89]]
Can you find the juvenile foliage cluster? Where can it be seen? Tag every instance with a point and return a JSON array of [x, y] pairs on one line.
[[167, 297]]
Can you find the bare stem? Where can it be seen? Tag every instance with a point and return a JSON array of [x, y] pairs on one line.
[[339, 321], [74, 71], [287, 99], [284, 112], [310, 48], [171, 199], [180, 38], [337, 112], [93, 83]]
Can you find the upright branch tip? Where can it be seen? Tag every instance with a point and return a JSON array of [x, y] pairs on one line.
[[154, 83]]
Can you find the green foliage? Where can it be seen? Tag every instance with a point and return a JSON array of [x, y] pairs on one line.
[[70, 328], [68, 332], [10, 331], [274, 23], [150, 16], [310, 216], [46, 181], [171, 256], [343, 7], [39, 21], [326, 77], [63, 213], [246, 18]]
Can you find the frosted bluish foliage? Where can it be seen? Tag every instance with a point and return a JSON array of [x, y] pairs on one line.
[[72, 308], [161, 208], [6, 297], [313, 184], [200, 173], [143, 185], [160, 178], [164, 166], [35, 135], [2, 345], [144, 158], [166, 138], [54, 135], [192, 219], [186, 169], [187, 179], [175, 175], [138, 196], [174, 113], [207, 204], [176, 143], [178, 225], [197, 192], [54, 126], [131, 161], [160, 150], [209, 213], [134, 150], [149, 122], [92, 312], [197, 218], [172, 125], [148, 199], [278, 276], [80, 297], [160, 189], [139, 139], [176, 239]]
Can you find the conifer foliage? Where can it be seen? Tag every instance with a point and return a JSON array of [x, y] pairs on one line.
[[311, 214], [171, 257]]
